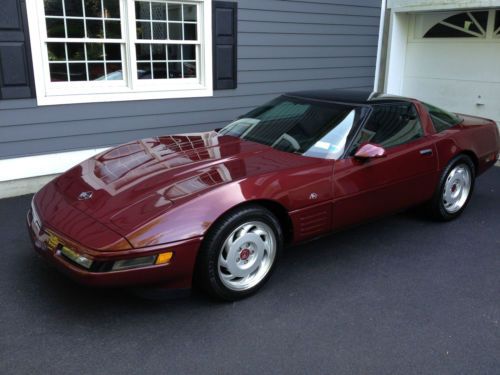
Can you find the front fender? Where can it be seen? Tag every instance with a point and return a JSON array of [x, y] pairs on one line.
[[193, 216]]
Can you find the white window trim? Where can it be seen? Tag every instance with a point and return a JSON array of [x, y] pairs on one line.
[[186, 88]]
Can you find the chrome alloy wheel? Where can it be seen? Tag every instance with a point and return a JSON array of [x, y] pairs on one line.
[[457, 188], [247, 256]]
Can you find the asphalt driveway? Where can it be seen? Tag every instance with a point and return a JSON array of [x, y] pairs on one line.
[[402, 295]]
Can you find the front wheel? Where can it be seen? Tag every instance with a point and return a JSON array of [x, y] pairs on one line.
[[239, 253], [455, 188]]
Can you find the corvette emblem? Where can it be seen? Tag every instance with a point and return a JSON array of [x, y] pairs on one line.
[[85, 195]]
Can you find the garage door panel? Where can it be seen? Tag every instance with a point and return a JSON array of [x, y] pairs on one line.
[[470, 60], [456, 73], [457, 95]]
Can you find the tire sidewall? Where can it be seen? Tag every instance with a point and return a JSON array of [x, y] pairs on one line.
[[215, 241], [440, 210]]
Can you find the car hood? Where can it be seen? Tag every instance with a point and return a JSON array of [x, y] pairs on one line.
[[129, 185]]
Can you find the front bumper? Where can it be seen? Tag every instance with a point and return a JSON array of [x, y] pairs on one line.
[[177, 274]]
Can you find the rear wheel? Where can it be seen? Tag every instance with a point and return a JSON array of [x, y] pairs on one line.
[[239, 253], [455, 188]]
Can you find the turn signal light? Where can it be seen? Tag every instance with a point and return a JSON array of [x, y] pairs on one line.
[[164, 258]]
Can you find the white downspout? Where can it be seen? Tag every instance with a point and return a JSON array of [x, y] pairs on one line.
[[379, 46]]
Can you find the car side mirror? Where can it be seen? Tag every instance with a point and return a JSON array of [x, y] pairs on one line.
[[370, 151]]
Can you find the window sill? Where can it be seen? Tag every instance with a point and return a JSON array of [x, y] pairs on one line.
[[125, 95]]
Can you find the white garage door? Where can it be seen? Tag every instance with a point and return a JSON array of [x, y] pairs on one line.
[[453, 61]]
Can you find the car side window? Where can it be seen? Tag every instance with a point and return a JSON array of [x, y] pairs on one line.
[[390, 125], [441, 119]]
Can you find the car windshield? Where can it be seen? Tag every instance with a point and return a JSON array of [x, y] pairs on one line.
[[309, 128]]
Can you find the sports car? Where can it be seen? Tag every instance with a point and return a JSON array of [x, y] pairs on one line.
[[217, 208]]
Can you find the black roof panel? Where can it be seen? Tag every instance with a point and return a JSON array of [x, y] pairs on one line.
[[348, 96]]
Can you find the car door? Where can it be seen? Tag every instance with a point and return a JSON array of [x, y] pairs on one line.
[[405, 176]]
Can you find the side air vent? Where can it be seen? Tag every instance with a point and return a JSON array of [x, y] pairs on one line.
[[313, 223]]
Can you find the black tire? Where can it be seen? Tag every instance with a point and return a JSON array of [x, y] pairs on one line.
[[207, 266], [437, 205]]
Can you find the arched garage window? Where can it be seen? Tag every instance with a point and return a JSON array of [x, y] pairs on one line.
[[497, 24], [461, 25]]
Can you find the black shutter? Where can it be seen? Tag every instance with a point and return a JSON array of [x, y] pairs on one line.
[[225, 35], [15, 57]]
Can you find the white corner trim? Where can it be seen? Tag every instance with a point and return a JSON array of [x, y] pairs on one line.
[[379, 45], [43, 165], [396, 53]]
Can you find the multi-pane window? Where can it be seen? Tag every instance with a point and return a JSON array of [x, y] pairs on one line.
[[84, 40], [473, 24], [167, 40], [496, 29], [461, 25], [123, 46]]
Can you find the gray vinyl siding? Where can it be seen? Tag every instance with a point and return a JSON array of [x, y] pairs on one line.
[[282, 46]]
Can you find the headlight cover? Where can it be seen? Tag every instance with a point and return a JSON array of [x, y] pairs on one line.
[[157, 259], [126, 264]]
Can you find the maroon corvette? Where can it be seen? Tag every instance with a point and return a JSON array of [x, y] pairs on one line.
[[217, 208]]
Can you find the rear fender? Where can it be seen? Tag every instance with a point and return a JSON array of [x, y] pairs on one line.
[[480, 142]]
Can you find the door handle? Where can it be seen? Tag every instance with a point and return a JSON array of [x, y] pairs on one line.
[[426, 151]]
